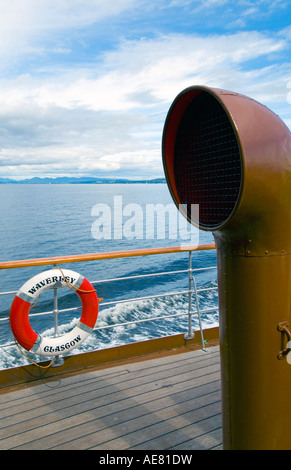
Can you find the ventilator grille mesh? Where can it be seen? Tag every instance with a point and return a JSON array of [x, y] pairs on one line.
[[207, 161]]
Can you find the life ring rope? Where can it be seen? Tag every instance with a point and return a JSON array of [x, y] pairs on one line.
[[35, 363], [26, 337], [74, 287]]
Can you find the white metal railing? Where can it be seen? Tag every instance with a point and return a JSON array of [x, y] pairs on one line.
[[192, 292]]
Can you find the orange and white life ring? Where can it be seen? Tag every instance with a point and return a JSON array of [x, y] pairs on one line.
[[30, 291]]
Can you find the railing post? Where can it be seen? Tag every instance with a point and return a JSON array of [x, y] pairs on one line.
[[56, 310], [189, 334], [59, 361], [198, 312]]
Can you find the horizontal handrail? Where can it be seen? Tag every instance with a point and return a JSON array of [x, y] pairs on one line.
[[144, 320], [126, 278], [115, 302], [100, 256]]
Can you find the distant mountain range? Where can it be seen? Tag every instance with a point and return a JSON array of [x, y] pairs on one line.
[[81, 180]]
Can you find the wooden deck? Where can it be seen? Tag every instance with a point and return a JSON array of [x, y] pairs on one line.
[[166, 403]]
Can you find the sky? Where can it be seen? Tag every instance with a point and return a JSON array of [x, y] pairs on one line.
[[85, 85]]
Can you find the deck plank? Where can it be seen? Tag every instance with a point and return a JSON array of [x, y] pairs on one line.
[[171, 402]]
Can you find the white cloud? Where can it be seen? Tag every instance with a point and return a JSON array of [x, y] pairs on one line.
[[29, 26], [21, 16], [152, 69], [108, 117]]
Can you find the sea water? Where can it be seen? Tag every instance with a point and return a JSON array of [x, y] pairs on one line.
[[43, 220]]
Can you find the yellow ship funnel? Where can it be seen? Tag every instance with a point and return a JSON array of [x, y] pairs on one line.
[[232, 156]]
